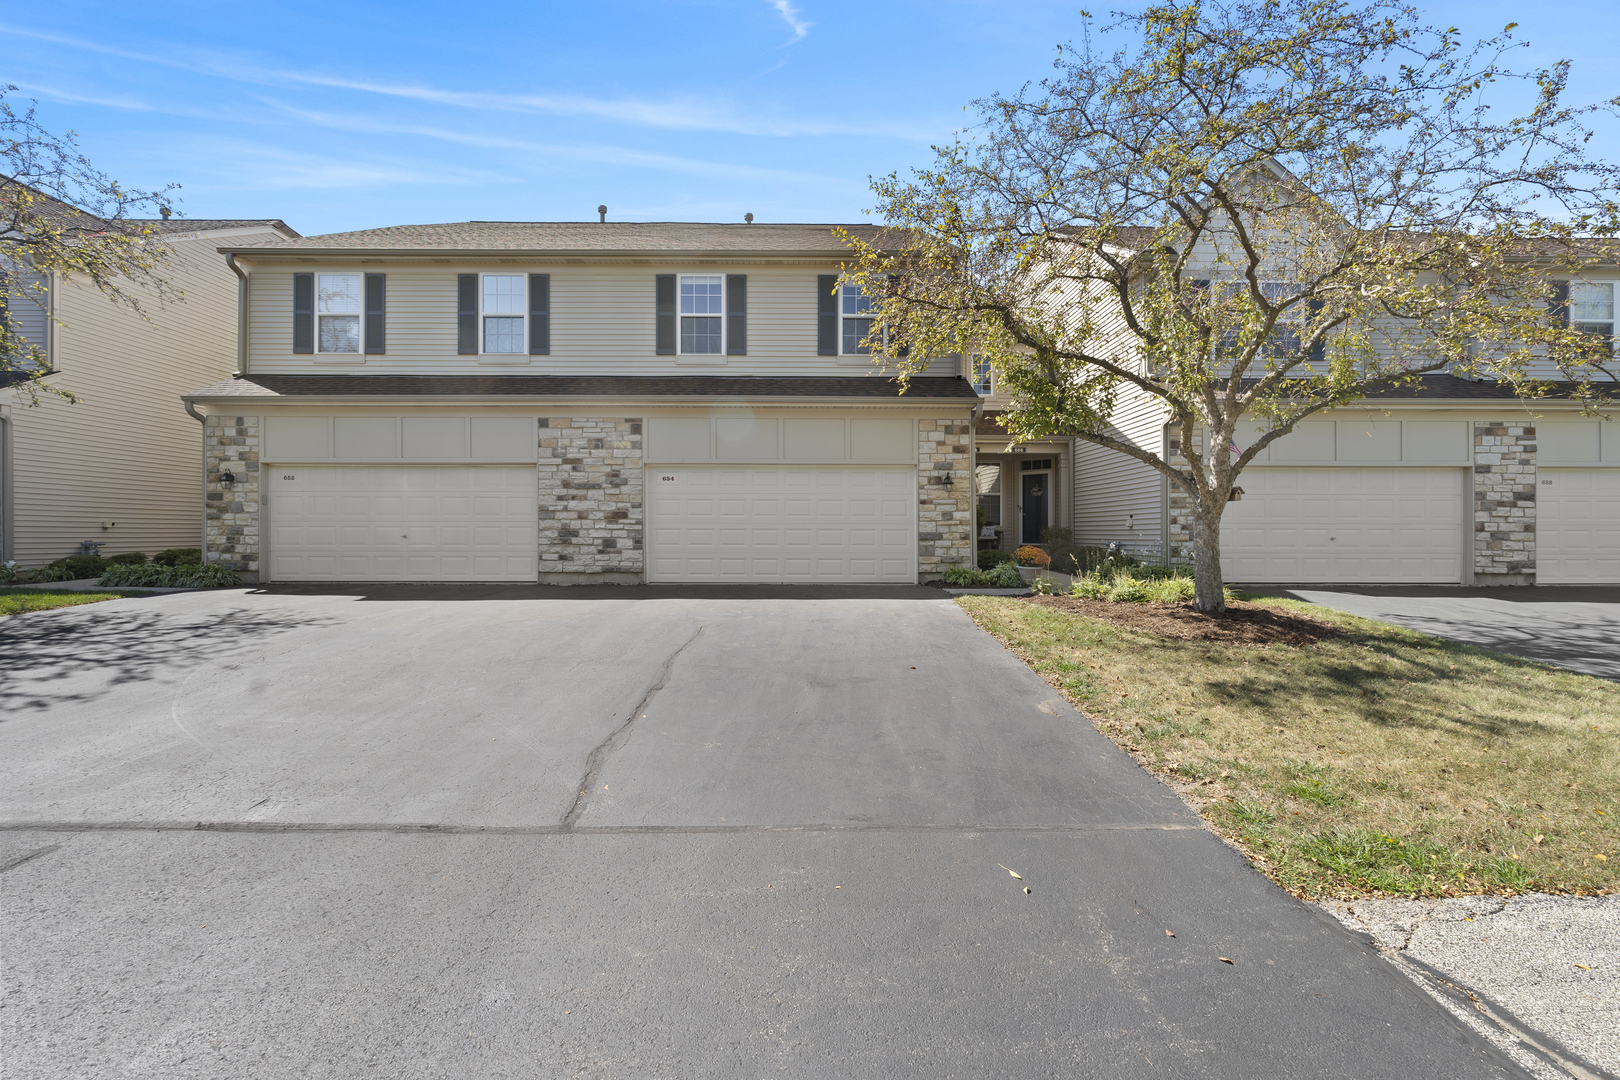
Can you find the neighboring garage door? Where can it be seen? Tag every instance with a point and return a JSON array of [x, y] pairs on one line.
[[796, 524], [1578, 526], [1345, 525], [403, 523]]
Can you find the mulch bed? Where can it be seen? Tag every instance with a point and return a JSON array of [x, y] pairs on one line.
[[1243, 623]]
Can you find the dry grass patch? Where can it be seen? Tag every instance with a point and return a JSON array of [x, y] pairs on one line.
[[17, 601], [1374, 761]]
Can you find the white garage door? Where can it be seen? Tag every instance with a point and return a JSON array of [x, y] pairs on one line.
[[1365, 526], [1578, 526], [392, 523], [790, 525]]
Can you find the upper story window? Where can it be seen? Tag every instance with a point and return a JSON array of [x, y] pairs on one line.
[[337, 311], [504, 297], [25, 308], [982, 375], [855, 313], [702, 313], [1591, 308]]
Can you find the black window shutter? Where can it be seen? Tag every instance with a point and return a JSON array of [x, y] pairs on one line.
[[376, 314], [736, 314], [1318, 350], [664, 321], [827, 315], [539, 314], [467, 314], [303, 313], [1558, 304]]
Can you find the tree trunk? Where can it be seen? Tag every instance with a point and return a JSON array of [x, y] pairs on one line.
[[1209, 589]]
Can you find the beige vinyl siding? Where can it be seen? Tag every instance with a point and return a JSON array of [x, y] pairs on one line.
[[127, 452], [601, 322], [1117, 497]]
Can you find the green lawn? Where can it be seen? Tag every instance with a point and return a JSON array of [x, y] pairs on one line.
[[17, 601], [1377, 762]]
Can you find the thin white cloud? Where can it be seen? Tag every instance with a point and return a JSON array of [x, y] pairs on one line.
[[607, 155], [790, 15], [693, 114]]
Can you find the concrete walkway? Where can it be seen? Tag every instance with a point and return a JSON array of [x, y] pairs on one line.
[[549, 833], [1574, 627]]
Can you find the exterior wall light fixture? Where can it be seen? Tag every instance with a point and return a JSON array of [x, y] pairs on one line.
[[227, 478]]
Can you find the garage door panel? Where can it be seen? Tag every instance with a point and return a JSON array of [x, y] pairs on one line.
[[1578, 526], [784, 524], [1372, 525], [404, 523]]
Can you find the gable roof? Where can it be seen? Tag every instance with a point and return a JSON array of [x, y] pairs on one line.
[[635, 387], [578, 236]]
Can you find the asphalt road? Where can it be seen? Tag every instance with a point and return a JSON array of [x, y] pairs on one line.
[[548, 833]]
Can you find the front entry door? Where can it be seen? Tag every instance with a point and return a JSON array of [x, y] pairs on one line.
[[1035, 495]]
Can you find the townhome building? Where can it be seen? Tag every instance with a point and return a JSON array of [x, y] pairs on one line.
[[576, 402], [1452, 481], [118, 467]]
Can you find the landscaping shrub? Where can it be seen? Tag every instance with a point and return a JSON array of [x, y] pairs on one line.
[[964, 577], [990, 558], [128, 558], [1136, 585], [77, 566], [178, 557], [1030, 555], [169, 577], [1005, 576]]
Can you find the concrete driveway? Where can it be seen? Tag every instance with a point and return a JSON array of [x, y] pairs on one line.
[[535, 833], [1573, 626]]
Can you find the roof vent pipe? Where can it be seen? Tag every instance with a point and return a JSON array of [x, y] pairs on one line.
[[748, 218], [602, 212]]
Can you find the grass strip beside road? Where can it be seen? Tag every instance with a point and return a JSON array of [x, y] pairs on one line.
[[17, 601], [1377, 762]]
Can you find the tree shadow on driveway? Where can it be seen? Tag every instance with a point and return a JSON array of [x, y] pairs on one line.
[[47, 660]]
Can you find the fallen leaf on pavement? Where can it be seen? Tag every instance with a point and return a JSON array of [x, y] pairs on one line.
[[1169, 934], [1583, 967], [1224, 960], [1013, 872]]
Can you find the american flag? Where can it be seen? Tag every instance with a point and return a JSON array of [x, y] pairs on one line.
[[1232, 446]]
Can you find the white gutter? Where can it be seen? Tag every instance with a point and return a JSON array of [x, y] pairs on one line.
[[202, 479]]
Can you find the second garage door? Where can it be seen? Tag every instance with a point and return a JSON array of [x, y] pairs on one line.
[[1578, 527], [1355, 526], [782, 525], [403, 523]]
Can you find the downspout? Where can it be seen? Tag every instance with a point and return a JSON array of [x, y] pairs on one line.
[[241, 320], [202, 551]]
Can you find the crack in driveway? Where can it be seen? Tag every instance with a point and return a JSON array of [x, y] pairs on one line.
[[597, 760]]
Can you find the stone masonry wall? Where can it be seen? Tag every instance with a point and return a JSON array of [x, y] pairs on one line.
[[231, 444], [944, 515], [1180, 509], [1504, 503], [592, 490]]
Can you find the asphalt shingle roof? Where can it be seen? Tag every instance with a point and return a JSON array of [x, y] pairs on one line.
[[580, 236], [262, 387]]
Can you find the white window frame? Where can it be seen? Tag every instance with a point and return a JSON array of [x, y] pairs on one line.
[[359, 353], [974, 361], [680, 338], [844, 290], [1614, 307], [521, 315]]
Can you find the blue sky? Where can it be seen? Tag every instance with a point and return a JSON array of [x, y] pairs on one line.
[[357, 115]]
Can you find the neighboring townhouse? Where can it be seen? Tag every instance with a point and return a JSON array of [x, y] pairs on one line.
[[1452, 481], [120, 466], [574, 403]]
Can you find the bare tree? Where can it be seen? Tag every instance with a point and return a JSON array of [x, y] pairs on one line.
[[1261, 209], [62, 218]]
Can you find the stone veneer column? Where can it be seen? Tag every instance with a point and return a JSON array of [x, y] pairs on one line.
[[944, 515], [231, 444], [591, 493], [1180, 508], [1504, 503]]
